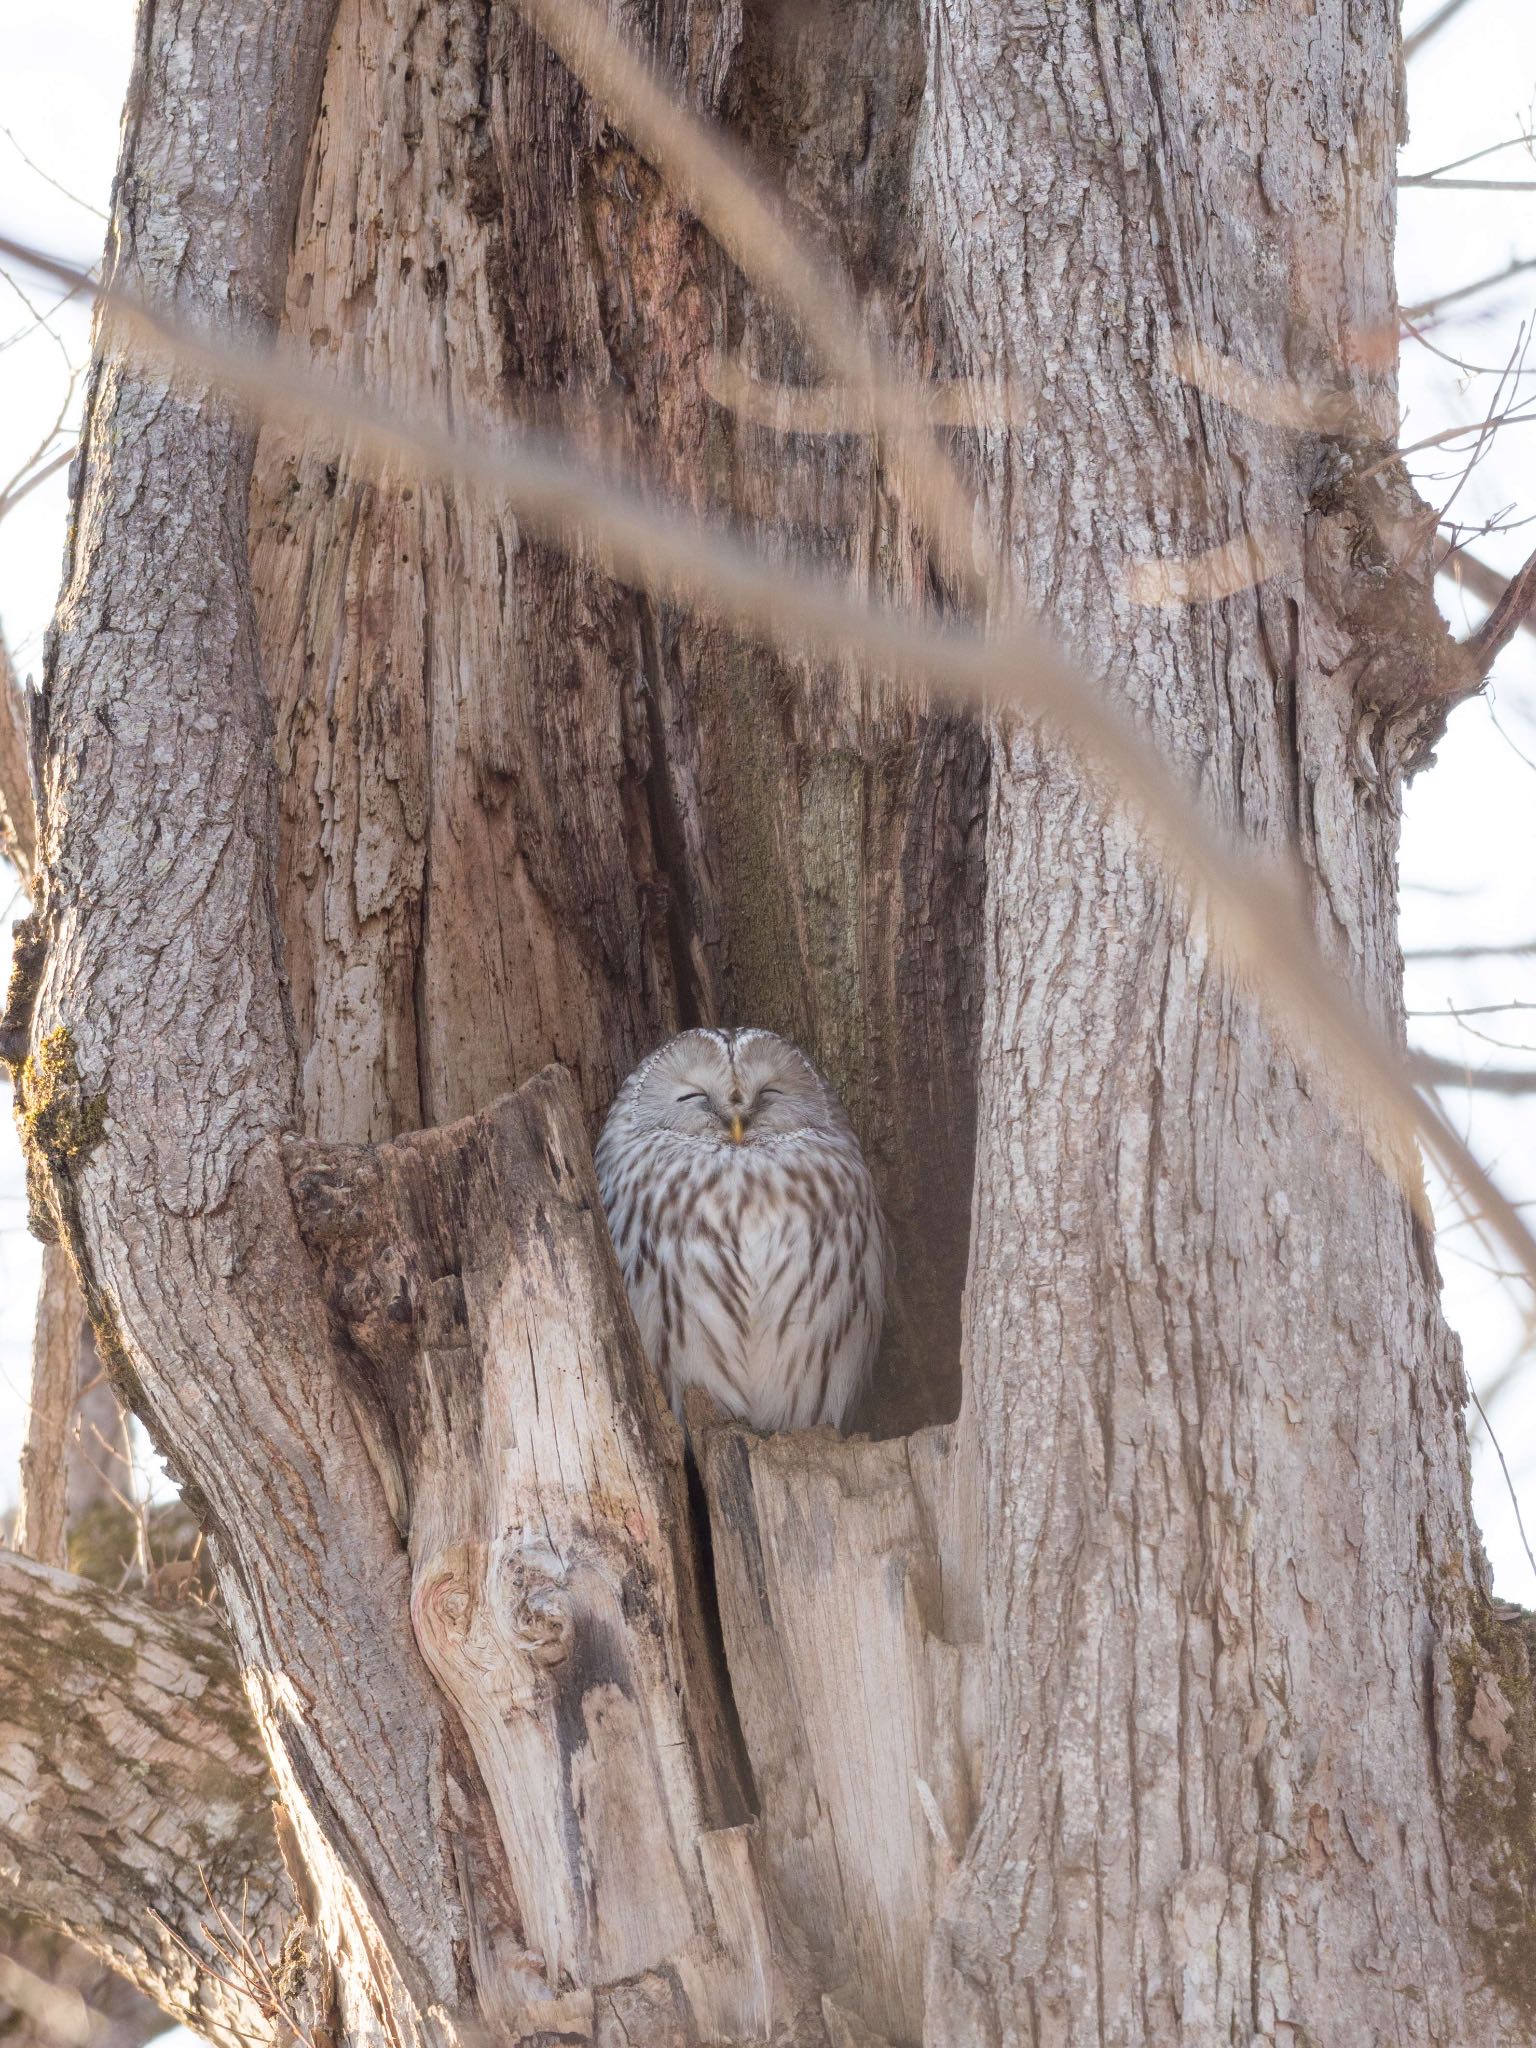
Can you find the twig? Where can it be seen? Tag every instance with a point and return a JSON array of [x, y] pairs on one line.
[[1473, 1010], [1513, 369], [1517, 267], [1468, 369], [1485, 584], [1429, 184], [1513, 417], [73, 197], [1456, 163], [1514, 1498], [1512, 611], [11, 498], [1514, 950]]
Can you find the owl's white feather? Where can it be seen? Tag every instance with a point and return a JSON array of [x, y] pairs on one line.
[[747, 1227]]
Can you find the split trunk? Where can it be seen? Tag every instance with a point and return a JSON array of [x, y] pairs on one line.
[[1134, 1678]]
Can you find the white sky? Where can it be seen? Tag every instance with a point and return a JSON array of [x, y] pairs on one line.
[[1469, 852]]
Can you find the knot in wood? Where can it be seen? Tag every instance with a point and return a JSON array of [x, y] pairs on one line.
[[479, 1605], [537, 1612]]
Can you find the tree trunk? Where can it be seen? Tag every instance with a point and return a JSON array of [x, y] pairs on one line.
[[1136, 1679], [1215, 1408]]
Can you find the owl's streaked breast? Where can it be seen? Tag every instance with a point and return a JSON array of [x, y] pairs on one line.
[[756, 1270]]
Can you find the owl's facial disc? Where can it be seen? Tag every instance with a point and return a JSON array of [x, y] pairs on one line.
[[727, 1089]]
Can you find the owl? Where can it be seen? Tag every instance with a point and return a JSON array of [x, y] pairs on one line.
[[747, 1227]]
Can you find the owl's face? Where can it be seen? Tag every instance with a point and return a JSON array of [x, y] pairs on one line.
[[733, 1088]]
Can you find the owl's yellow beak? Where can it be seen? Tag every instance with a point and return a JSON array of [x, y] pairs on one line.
[[738, 1128]]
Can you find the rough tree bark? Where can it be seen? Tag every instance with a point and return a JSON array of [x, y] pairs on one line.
[[133, 1795], [1136, 1680], [1215, 1406]]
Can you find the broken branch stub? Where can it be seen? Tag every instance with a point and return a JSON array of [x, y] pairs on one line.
[[834, 1562], [539, 1483]]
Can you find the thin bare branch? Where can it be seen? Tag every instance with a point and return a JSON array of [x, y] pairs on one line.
[[1458, 1011], [1437, 1073], [11, 498], [1512, 610], [1512, 416], [73, 197], [40, 319], [1485, 584], [1519, 949], [1514, 1498], [1422, 309], [1476, 157], [1431, 184], [1462, 363]]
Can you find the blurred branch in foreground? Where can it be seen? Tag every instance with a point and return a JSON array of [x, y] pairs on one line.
[[28, 482], [1423, 309], [1427, 31], [1251, 906], [1507, 950], [1512, 610]]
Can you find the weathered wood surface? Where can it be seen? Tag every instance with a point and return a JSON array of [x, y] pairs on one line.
[[133, 1792], [74, 1458], [58, 1340], [162, 1038], [844, 1644], [538, 1480]]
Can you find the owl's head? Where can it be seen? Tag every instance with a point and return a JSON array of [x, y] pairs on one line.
[[732, 1088]]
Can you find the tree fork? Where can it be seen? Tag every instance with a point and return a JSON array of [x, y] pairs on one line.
[[1148, 1742]]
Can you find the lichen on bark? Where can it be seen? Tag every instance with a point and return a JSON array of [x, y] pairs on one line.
[[60, 1122]]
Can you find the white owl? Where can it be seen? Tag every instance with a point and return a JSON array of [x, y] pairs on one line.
[[747, 1227]]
